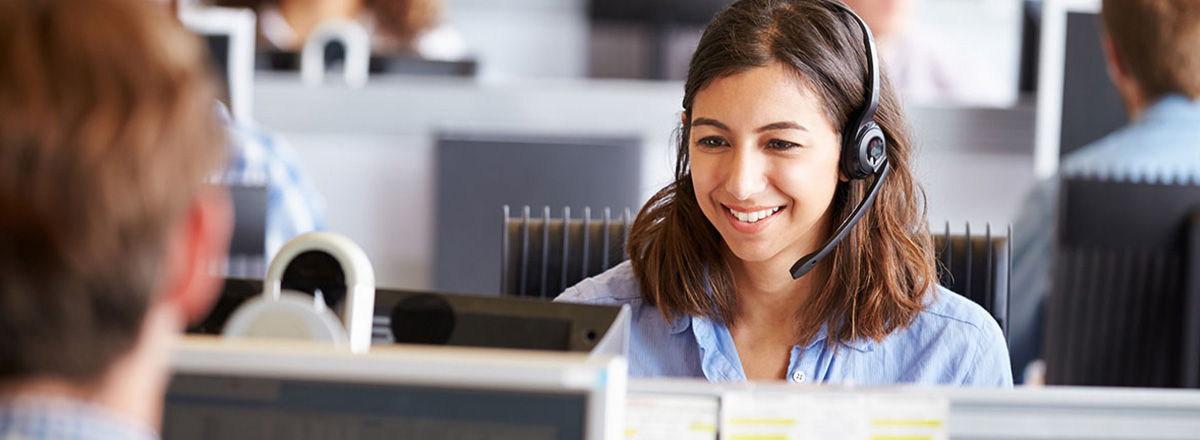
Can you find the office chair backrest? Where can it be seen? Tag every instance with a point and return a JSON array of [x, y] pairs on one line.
[[541, 262], [1124, 309], [977, 267]]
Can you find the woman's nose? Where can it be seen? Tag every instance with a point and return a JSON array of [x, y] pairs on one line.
[[746, 174]]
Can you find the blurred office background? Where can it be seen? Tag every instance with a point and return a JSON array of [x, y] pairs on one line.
[[558, 73]]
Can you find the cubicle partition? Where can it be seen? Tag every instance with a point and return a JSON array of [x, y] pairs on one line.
[[686, 409], [251, 390]]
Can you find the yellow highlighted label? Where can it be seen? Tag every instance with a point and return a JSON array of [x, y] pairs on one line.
[[630, 432], [787, 422], [901, 422], [758, 437], [704, 427]]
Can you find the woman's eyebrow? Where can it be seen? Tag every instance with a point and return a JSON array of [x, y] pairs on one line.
[[785, 125], [710, 121]]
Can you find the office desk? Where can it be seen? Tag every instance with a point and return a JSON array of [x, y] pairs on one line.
[[929, 412]]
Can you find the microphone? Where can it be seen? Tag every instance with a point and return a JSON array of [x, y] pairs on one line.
[[808, 262]]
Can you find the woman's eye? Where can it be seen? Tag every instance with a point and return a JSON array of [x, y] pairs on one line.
[[776, 144], [711, 141]]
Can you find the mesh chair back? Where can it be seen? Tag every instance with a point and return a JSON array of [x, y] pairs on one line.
[[541, 258], [977, 266], [1124, 309]]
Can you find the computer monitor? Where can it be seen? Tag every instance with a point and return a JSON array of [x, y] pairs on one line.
[[393, 63], [679, 12], [479, 171], [1124, 309], [434, 318], [251, 390], [247, 256], [230, 36], [1077, 102]]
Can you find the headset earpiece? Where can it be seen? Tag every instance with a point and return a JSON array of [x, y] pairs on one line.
[[864, 154], [864, 150]]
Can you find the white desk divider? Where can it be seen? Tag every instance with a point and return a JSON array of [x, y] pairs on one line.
[[251, 389]]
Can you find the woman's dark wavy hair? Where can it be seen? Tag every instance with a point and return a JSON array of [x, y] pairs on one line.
[[879, 276]]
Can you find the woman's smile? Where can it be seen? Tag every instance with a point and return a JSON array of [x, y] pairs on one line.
[[751, 220]]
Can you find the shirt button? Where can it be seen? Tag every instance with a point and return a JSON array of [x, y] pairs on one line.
[[798, 376]]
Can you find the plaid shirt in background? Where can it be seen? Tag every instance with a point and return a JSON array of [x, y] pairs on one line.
[[39, 418], [257, 157]]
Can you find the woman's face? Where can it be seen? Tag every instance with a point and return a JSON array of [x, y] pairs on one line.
[[764, 163]]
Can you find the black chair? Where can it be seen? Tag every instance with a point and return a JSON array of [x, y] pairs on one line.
[[1124, 309], [977, 267], [539, 261]]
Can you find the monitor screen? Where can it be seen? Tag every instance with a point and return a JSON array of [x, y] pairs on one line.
[[203, 407], [1091, 107], [692, 12], [229, 36], [218, 51], [1077, 102]]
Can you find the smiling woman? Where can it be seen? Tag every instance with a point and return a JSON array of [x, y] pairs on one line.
[[782, 122]]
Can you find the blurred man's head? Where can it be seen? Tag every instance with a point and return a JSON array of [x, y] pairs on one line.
[[106, 232], [1153, 48], [887, 18]]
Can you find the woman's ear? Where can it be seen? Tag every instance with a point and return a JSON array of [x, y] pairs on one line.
[[842, 176]]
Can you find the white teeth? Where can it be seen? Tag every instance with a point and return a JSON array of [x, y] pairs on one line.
[[751, 217]]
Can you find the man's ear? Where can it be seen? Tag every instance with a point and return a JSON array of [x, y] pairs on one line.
[[199, 238]]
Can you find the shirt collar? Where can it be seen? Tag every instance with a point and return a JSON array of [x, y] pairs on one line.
[[1169, 107], [679, 323]]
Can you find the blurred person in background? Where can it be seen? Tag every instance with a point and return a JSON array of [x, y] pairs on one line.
[[107, 231], [257, 156], [924, 65], [396, 26], [1152, 51]]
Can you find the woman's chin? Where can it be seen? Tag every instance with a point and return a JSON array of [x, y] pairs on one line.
[[753, 254]]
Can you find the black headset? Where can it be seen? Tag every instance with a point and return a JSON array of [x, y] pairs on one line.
[[864, 151]]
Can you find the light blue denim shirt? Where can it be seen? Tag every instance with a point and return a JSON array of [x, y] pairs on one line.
[[954, 341]]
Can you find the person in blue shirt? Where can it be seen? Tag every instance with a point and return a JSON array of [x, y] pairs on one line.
[[762, 179], [1152, 57]]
